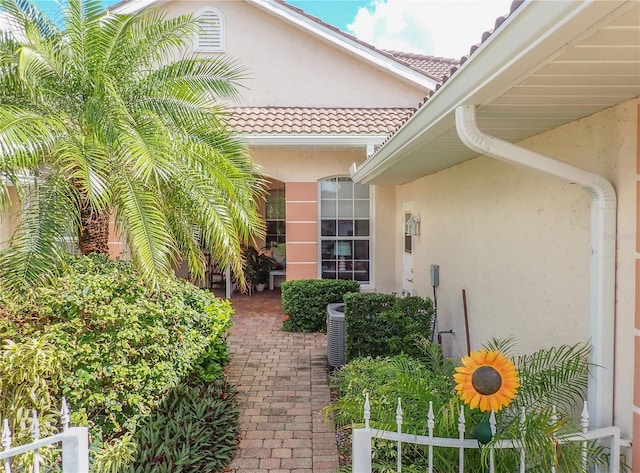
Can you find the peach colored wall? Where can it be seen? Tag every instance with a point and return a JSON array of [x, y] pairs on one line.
[[116, 247], [302, 243], [518, 241], [288, 67]]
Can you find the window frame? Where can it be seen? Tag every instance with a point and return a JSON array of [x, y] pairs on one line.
[[367, 284]]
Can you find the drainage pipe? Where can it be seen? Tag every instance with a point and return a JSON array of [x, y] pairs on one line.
[[603, 247]]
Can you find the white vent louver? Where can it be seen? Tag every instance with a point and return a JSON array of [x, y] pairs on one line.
[[211, 37]]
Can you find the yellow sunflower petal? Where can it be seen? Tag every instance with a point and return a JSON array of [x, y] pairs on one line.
[[510, 380]]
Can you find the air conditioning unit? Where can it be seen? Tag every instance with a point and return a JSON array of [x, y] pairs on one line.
[[335, 335]]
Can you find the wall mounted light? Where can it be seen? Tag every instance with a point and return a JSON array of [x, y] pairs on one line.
[[413, 225]]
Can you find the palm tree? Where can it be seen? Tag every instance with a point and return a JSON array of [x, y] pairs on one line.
[[111, 116]]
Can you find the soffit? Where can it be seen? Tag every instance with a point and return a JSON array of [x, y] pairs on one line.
[[593, 65]]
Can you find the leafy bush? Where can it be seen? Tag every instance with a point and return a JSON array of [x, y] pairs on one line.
[[114, 346], [382, 324], [549, 376], [192, 430], [305, 302]]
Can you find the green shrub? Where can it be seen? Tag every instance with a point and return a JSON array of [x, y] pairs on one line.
[[382, 324], [192, 430], [305, 302], [127, 344], [555, 376]]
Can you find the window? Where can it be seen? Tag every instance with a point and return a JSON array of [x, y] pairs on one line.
[[275, 217], [211, 36], [345, 230]]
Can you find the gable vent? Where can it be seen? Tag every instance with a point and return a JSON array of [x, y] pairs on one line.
[[211, 36]]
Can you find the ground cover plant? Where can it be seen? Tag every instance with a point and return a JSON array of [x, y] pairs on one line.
[[555, 376], [114, 347]]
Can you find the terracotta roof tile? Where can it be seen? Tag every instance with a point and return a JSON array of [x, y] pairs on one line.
[[429, 66], [485, 36], [434, 66], [317, 120]]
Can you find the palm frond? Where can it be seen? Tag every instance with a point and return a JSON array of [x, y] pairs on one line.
[[143, 223], [556, 376], [40, 242]]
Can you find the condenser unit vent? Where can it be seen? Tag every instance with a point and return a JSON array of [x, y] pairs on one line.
[[335, 335]]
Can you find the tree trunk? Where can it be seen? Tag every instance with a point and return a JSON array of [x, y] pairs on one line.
[[94, 231]]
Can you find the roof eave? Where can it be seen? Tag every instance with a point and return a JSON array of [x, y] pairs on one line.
[[342, 140], [533, 34], [351, 47]]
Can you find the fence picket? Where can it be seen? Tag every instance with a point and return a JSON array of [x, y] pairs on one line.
[[399, 424], [492, 424], [430, 424], [584, 423], [64, 415], [74, 440], [461, 429], [362, 440], [6, 443], [35, 435]]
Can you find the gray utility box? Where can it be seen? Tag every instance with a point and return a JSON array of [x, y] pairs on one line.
[[336, 335]]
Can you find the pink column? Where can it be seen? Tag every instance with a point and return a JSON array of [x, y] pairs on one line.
[[302, 230]]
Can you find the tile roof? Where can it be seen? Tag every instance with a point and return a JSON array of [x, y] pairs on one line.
[[433, 67], [305, 120], [485, 36]]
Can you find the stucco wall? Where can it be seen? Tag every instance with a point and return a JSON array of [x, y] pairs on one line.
[[308, 165], [9, 219], [518, 242], [288, 67]]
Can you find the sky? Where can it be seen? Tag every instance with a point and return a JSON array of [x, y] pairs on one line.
[[442, 28]]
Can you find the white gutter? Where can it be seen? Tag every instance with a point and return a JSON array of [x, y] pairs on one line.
[[603, 247]]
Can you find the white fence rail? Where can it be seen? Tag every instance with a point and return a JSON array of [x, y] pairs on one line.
[[362, 449], [74, 441]]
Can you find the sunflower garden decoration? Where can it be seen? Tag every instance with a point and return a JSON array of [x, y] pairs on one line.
[[487, 380]]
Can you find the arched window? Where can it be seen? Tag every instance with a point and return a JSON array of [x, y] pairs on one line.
[[211, 37], [345, 229]]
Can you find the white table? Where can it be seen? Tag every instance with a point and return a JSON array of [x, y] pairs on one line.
[[273, 273]]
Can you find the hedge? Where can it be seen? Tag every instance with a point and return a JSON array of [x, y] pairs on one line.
[[386, 325], [305, 302]]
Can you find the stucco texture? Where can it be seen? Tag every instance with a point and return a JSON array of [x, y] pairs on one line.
[[289, 67], [518, 242]]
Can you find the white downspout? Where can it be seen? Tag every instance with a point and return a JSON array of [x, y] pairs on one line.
[[603, 247]]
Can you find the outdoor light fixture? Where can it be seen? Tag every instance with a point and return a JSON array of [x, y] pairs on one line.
[[342, 249], [413, 225]]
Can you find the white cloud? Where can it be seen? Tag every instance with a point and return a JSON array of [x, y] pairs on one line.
[[446, 28]]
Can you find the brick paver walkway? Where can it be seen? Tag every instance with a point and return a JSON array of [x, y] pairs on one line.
[[282, 383]]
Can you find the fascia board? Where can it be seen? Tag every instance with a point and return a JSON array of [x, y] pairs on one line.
[[534, 34], [134, 6], [312, 140], [343, 43]]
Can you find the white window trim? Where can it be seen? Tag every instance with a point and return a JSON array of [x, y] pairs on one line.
[[196, 40], [370, 285]]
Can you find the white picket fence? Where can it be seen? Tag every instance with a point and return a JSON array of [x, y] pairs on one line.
[[362, 449], [74, 441]]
